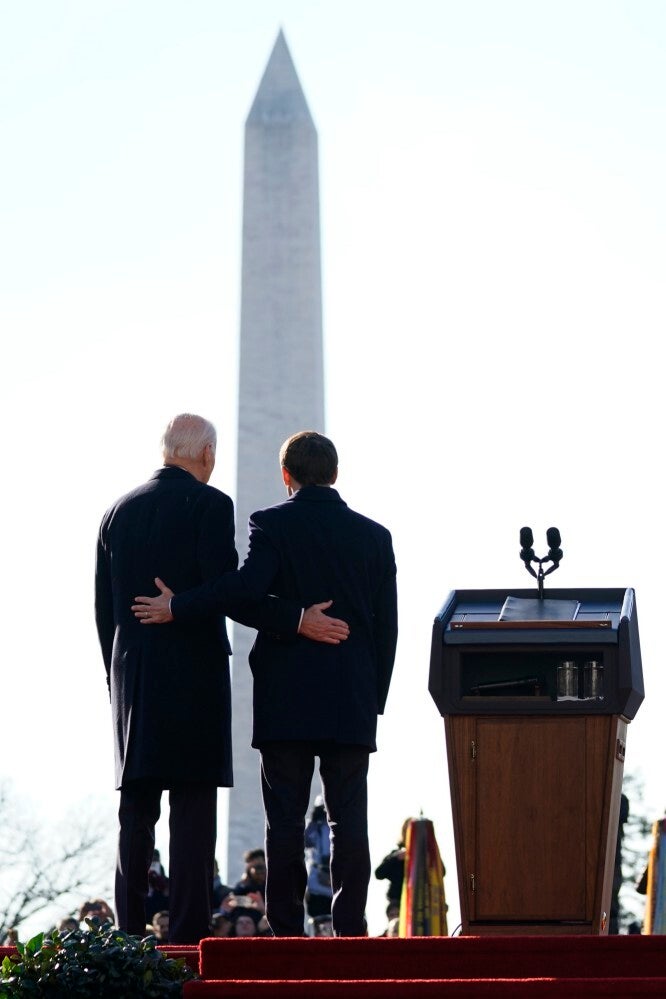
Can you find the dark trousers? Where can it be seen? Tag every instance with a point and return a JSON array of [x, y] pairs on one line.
[[286, 776], [192, 834], [317, 905]]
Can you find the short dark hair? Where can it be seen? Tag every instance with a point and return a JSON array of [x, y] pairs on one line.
[[310, 458]]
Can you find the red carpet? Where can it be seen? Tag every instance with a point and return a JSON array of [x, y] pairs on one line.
[[378, 968], [566, 967], [534, 988]]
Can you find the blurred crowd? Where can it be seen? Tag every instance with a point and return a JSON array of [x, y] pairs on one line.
[[239, 909]]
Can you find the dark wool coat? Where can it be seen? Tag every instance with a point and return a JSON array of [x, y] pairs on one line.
[[310, 549], [170, 686]]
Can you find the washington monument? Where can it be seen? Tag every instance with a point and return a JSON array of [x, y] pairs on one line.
[[281, 387]]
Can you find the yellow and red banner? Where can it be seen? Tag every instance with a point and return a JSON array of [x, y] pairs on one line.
[[655, 906], [423, 905]]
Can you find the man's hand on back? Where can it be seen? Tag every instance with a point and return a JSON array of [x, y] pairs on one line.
[[154, 610], [320, 628], [315, 625]]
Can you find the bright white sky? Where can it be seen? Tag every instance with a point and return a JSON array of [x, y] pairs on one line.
[[493, 223]]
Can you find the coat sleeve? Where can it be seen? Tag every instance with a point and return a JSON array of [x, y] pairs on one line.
[[104, 617], [217, 556], [244, 595], [385, 624]]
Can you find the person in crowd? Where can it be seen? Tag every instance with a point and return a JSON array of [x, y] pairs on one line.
[[392, 867], [219, 891], [68, 924], [159, 925], [98, 909], [318, 893], [321, 926], [245, 921], [157, 898], [253, 880], [156, 864], [220, 924], [310, 700], [618, 877], [170, 689]]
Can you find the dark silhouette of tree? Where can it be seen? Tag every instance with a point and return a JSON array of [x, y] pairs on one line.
[[41, 868]]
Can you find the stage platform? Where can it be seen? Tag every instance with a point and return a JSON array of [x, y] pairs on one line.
[[568, 967], [575, 967]]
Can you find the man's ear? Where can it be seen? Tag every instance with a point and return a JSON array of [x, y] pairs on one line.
[[286, 476], [335, 478], [208, 457]]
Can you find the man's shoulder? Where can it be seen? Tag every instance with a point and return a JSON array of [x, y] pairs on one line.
[[128, 499], [163, 482], [214, 496], [367, 526], [324, 503], [369, 523], [272, 514]]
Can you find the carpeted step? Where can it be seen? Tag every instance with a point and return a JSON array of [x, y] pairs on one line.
[[189, 952], [434, 957], [469, 988]]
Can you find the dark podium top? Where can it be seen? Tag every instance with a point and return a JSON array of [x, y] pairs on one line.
[[498, 651]]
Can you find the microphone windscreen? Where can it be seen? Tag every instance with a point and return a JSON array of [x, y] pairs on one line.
[[553, 537], [526, 537]]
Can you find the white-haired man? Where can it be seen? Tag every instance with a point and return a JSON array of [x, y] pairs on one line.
[[170, 687]]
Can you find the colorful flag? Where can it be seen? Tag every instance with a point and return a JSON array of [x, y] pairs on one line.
[[655, 906], [423, 905]]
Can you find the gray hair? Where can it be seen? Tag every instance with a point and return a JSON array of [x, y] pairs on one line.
[[187, 435]]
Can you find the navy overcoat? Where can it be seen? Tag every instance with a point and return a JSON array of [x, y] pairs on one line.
[[170, 686], [309, 549]]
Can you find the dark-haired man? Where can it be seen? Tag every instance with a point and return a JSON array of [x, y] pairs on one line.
[[311, 700]]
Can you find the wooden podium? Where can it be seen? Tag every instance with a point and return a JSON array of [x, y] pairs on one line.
[[535, 765]]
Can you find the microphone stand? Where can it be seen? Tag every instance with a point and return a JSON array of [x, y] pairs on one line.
[[528, 557], [540, 577], [528, 608]]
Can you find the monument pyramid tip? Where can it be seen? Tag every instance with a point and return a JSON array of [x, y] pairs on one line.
[[280, 93]]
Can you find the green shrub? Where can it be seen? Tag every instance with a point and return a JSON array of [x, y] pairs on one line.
[[100, 962]]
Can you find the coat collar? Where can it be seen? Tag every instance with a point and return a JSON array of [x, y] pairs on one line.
[[317, 494], [173, 472]]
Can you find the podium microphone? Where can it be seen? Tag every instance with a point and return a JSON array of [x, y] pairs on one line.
[[527, 555], [554, 541], [526, 549]]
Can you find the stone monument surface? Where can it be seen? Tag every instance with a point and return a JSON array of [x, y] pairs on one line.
[[281, 380]]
